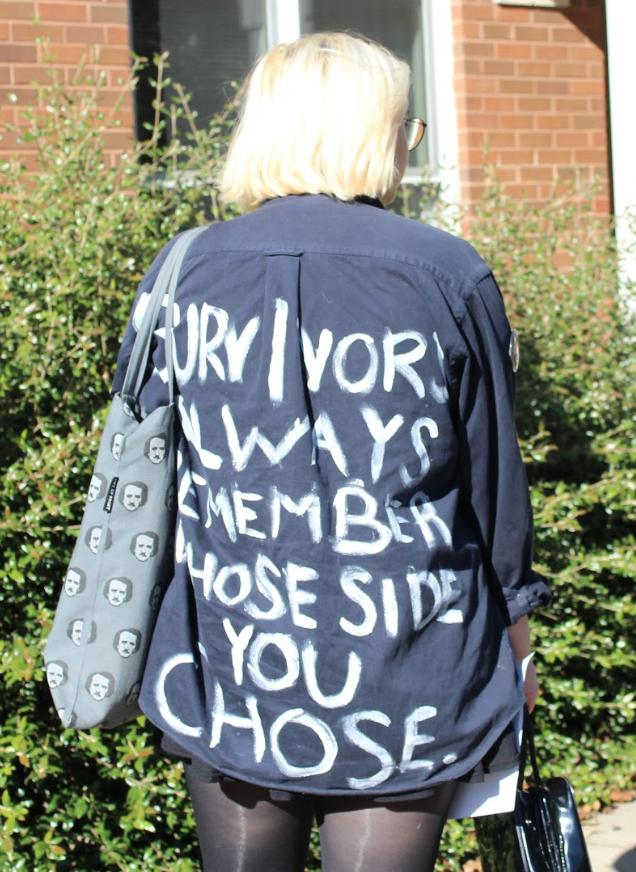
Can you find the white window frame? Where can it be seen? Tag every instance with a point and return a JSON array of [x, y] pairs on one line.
[[621, 21], [283, 25]]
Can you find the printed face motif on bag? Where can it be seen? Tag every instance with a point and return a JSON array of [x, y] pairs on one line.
[[127, 642], [155, 449], [118, 591], [62, 716], [144, 546], [100, 685], [133, 694], [155, 597], [171, 494], [116, 445], [97, 487], [133, 495], [74, 631], [56, 673], [75, 581], [94, 537]]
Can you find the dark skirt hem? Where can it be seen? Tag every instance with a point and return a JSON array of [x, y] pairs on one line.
[[502, 756]]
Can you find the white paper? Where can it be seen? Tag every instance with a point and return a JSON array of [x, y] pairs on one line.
[[497, 793]]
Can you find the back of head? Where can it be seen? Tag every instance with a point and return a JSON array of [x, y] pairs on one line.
[[318, 116]]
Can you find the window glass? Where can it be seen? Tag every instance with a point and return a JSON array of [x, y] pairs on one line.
[[211, 44], [397, 24]]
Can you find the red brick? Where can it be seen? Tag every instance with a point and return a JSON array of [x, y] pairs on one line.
[[86, 34], [525, 191], [552, 122], [481, 85], [499, 104], [588, 87], [517, 121], [108, 13], [496, 31], [499, 68], [595, 70], [113, 56], [118, 140], [471, 173], [62, 11], [483, 120], [66, 54], [590, 156], [478, 11], [565, 34], [517, 157], [27, 74], [550, 52], [24, 95], [570, 70], [512, 13], [531, 33], [534, 104], [575, 139], [30, 32], [570, 104], [502, 139], [507, 174], [599, 138], [516, 86], [538, 174], [473, 157], [466, 30], [23, 11], [535, 69], [11, 141], [586, 122], [552, 86], [471, 66], [118, 36], [589, 52], [547, 16], [22, 54], [469, 138], [5, 75], [4, 31], [534, 139], [554, 156], [475, 49], [513, 50]]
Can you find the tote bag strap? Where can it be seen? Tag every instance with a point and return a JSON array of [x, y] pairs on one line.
[[165, 283], [528, 751]]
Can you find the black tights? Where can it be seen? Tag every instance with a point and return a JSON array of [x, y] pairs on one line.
[[241, 829]]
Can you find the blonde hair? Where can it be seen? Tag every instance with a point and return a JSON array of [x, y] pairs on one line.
[[318, 116]]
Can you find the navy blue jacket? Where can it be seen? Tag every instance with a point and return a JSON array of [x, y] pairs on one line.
[[354, 530]]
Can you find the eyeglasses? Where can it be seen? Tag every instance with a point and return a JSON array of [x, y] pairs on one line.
[[415, 129]]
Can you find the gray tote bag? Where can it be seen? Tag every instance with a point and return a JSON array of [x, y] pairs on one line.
[[122, 560]]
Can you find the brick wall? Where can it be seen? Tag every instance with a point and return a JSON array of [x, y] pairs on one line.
[[69, 31], [531, 86]]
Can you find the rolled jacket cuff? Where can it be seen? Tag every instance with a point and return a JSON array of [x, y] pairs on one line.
[[533, 594]]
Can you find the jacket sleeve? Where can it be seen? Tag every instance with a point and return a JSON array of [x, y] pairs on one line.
[[493, 480]]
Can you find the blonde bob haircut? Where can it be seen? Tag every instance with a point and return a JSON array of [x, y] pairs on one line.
[[318, 116]]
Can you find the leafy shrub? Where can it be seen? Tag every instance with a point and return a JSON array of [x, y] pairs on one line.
[[75, 241]]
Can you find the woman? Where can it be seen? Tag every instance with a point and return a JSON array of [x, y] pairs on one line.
[[353, 547]]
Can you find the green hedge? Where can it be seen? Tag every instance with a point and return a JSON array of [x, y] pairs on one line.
[[74, 242]]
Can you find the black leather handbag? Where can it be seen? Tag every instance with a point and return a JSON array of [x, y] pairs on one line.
[[547, 825]]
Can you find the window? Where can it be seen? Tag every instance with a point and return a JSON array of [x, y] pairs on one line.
[[215, 42]]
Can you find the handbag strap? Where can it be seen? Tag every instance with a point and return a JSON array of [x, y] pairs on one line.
[[528, 750], [165, 283]]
